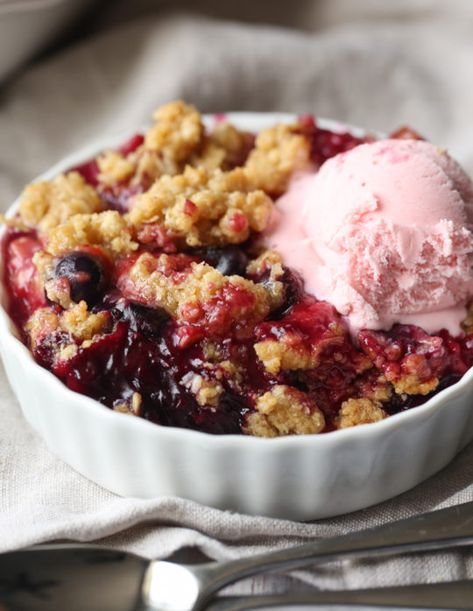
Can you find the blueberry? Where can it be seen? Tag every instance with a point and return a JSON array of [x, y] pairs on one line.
[[147, 321], [293, 290], [85, 274], [229, 260]]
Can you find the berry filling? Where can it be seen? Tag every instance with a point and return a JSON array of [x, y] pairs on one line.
[[161, 303]]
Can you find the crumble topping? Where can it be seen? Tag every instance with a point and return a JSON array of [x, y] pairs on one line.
[[82, 324], [46, 204], [168, 144], [412, 384], [285, 411], [132, 406], [412, 362], [177, 131], [42, 323], [225, 147], [294, 344], [176, 140], [114, 167], [108, 229], [279, 152], [268, 263], [207, 392], [359, 411], [203, 208], [78, 323], [196, 293]]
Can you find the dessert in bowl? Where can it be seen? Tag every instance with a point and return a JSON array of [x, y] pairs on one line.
[[211, 289]]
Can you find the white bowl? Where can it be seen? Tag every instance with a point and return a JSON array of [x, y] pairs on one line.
[[296, 477]]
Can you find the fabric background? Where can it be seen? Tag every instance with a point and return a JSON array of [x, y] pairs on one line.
[[377, 67]]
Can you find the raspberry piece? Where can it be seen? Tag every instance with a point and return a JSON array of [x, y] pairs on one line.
[[412, 359], [26, 294], [326, 143]]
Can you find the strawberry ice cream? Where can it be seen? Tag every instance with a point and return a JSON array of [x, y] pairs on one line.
[[384, 233]]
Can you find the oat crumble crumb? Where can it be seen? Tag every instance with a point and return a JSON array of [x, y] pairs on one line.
[[411, 385], [46, 204], [197, 293], [290, 351], [207, 392], [203, 208], [132, 406], [359, 411], [114, 168], [284, 410], [177, 131], [82, 324], [108, 229], [279, 152], [42, 323]]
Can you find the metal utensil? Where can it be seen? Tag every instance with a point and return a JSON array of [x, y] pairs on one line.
[[70, 578], [63, 577], [438, 596]]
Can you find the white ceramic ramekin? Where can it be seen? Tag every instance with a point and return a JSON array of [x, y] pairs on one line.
[[297, 477]]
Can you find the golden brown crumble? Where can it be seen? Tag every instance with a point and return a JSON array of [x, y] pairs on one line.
[[416, 377], [284, 410], [82, 324], [188, 295], [359, 411], [108, 229], [150, 165], [290, 351], [268, 261], [78, 322], [68, 352], [43, 322], [177, 131], [207, 392], [170, 141], [411, 385], [279, 152], [133, 406], [114, 168], [225, 147], [204, 208], [46, 204], [176, 139]]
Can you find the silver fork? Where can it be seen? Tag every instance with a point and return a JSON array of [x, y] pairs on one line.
[[434, 596], [47, 578], [197, 584]]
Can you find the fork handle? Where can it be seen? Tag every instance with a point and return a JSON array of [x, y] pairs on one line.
[[430, 531], [454, 595]]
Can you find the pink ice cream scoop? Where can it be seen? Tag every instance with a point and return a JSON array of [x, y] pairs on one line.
[[384, 233]]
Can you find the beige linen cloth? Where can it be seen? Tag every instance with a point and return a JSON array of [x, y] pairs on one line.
[[378, 75]]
